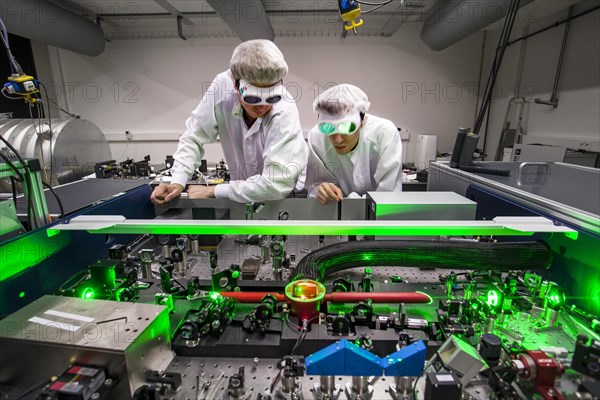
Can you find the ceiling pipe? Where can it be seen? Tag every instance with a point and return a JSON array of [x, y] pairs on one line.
[[455, 20], [247, 18], [45, 22]]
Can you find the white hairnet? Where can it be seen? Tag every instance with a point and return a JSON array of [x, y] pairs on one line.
[[341, 100], [259, 62]]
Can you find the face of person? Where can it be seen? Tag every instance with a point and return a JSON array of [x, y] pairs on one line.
[[254, 111], [344, 144]]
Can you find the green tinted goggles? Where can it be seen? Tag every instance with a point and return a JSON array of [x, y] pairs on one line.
[[343, 128], [343, 125]]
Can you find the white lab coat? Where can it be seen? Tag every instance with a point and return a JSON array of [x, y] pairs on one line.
[[264, 161], [374, 165]]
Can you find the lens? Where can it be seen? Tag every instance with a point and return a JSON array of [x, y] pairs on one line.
[[273, 100], [347, 127], [251, 99], [326, 128]]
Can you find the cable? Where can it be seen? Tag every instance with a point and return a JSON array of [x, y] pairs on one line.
[[203, 177], [50, 130], [298, 341], [40, 134], [415, 387], [302, 336], [275, 380], [62, 109], [368, 3], [554, 25], [495, 68], [14, 65], [83, 272], [24, 181], [60, 205], [290, 323], [372, 9], [124, 151], [31, 390], [378, 5], [12, 166], [7, 96], [13, 187], [13, 180]]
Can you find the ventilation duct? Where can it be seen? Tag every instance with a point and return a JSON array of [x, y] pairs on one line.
[[45, 22], [453, 21], [247, 18]]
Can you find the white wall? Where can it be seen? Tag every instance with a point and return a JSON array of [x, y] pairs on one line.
[[576, 121], [150, 87]]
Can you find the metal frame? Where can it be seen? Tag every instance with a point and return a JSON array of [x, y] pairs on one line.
[[575, 217], [501, 226], [40, 215]]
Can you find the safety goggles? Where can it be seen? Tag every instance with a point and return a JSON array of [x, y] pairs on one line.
[[342, 125], [257, 96]]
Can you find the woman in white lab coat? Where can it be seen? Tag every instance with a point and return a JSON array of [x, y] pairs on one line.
[[250, 111], [351, 152]]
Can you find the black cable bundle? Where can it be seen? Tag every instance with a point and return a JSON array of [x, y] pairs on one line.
[[495, 68], [500, 256]]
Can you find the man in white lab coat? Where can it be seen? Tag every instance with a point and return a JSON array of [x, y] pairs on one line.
[[351, 152], [249, 110]]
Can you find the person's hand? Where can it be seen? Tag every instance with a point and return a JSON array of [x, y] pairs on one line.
[[164, 193], [328, 192], [201, 192]]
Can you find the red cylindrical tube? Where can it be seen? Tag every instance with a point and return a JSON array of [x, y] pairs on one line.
[[380, 297], [338, 297]]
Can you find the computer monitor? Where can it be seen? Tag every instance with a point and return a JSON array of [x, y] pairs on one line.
[[464, 148]]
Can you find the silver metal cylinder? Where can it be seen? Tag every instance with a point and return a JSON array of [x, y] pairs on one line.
[[147, 270], [195, 246], [237, 393], [72, 146], [501, 317], [327, 384], [250, 211], [404, 384], [265, 250], [277, 268], [550, 316], [360, 384], [180, 267], [489, 324], [165, 251], [185, 260], [288, 384], [278, 254]]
